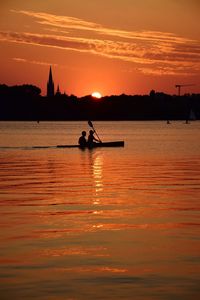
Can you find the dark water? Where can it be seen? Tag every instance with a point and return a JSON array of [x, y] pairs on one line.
[[110, 223]]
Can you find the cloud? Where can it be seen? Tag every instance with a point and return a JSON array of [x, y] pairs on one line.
[[67, 22], [151, 52], [35, 62], [17, 59]]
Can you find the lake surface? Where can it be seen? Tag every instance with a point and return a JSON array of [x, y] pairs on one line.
[[110, 223]]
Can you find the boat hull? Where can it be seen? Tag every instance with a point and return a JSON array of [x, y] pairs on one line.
[[96, 145]]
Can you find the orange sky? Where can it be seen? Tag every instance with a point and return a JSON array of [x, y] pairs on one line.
[[110, 46]]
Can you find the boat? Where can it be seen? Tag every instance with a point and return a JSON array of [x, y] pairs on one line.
[[96, 145]]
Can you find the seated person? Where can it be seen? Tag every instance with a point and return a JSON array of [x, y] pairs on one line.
[[82, 140], [91, 139]]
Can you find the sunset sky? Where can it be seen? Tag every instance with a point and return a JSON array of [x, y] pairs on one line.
[[109, 46]]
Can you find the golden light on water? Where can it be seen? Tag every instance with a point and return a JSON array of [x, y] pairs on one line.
[[97, 176], [122, 219]]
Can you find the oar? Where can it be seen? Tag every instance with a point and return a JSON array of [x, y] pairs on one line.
[[91, 125]]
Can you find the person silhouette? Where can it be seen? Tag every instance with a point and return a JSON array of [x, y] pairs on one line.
[[82, 140], [91, 139]]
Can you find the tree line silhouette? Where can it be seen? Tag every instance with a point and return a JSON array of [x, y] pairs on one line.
[[25, 103]]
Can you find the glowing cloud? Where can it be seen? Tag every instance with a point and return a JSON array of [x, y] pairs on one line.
[[150, 52]]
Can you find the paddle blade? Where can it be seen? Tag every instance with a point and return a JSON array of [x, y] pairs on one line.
[[90, 124]]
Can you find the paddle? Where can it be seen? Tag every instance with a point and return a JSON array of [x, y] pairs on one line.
[[91, 125]]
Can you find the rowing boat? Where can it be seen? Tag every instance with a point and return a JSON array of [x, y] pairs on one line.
[[97, 145]]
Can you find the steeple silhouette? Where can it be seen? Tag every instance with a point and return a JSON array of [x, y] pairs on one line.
[[50, 85], [58, 93]]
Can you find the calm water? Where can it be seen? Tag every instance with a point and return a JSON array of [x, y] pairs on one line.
[[115, 223]]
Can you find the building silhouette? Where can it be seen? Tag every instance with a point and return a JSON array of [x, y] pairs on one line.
[[58, 93], [50, 85]]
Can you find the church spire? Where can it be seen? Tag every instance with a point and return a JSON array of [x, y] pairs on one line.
[[50, 85], [58, 93], [50, 75]]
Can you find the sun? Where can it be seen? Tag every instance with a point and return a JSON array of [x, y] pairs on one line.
[[96, 95]]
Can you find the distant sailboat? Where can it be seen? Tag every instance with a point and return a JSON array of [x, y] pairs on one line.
[[192, 117]]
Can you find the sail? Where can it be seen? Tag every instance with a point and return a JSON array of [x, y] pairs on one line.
[[192, 115]]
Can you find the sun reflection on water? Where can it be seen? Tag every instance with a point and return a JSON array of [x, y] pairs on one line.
[[97, 172]]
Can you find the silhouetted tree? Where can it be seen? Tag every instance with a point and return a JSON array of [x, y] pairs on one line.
[[25, 103]]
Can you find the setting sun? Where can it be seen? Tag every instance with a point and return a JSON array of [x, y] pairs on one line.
[[96, 95]]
